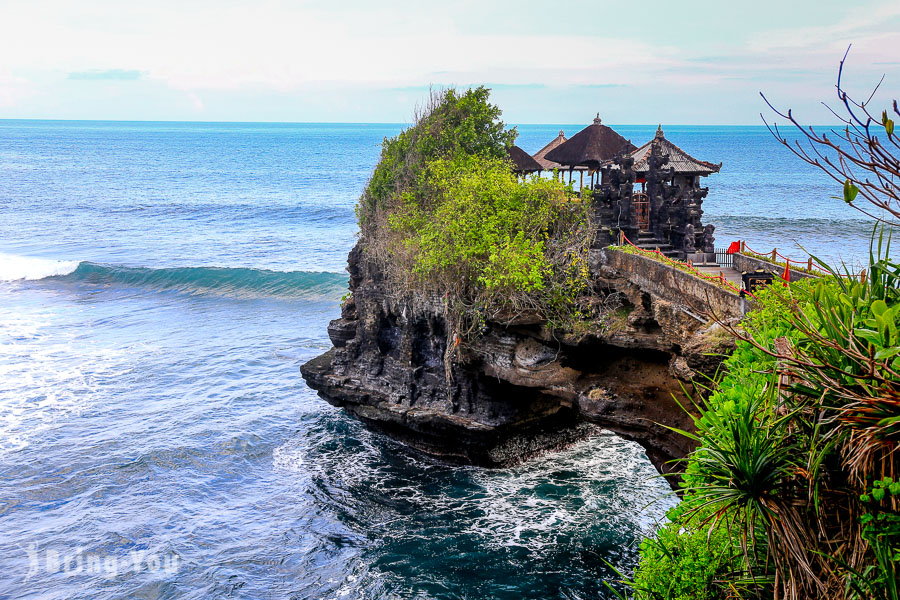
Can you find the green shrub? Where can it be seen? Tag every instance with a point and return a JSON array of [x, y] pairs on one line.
[[445, 216], [453, 125], [483, 226], [685, 560], [881, 531], [807, 411]]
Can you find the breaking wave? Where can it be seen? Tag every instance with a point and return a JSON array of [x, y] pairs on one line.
[[224, 281], [13, 268]]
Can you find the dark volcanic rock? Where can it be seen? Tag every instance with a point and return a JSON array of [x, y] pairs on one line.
[[517, 390]]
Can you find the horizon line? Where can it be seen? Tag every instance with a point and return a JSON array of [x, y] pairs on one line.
[[654, 124]]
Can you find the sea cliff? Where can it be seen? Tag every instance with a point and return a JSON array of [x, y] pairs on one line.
[[518, 388], [488, 321]]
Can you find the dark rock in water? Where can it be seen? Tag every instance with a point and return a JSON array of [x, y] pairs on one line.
[[518, 389]]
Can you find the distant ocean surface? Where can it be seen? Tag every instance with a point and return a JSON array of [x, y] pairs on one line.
[[161, 283]]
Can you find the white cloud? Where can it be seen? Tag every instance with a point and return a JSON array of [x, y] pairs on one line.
[[196, 101], [279, 49], [13, 89], [285, 47], [862, 25]]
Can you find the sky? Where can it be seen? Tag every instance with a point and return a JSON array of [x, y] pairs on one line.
[[670, 62]]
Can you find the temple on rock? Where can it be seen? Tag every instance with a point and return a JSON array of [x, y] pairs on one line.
[[650, 194], [590, 148]]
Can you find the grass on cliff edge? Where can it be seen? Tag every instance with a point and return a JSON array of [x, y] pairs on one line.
[[443, 215]]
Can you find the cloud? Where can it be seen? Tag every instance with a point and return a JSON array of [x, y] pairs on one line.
[[196, 102], [603, 85], [304, 54], [13, 89], [106, 75], [861, 26]]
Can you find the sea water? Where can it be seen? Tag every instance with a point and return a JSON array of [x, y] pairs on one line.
[[161, 283]]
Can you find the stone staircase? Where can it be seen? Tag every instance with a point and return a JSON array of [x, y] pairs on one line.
[[647, 241]]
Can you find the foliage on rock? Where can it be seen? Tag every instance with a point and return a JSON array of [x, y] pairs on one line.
[[446, 217], [452, 124], [798, 449], [800, 425], [683, 561]]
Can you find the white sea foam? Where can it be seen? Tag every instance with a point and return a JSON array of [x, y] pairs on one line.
[[604, 482], [14, 268], [47, 375]]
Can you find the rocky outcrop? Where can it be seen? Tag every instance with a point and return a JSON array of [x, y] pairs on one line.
[[518, 389]]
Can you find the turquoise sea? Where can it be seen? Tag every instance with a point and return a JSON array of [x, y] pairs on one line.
[[161, 283]]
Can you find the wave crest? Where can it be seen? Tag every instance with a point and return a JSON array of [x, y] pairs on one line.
[[221, 281], [15, 268]]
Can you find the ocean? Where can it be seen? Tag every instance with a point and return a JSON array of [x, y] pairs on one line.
[[161, 283]]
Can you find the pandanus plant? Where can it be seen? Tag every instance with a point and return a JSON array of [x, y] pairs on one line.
[[847, 362], [832, 411], [746, 475], [791, 463]]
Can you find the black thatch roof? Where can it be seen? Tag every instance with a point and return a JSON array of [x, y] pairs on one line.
[[592, 146], [522, 161], [681, 161]]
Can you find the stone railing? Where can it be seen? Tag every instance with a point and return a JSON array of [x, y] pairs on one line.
[[745, 264], [675, 285]]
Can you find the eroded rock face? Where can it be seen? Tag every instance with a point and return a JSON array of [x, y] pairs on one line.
[[517, 390]]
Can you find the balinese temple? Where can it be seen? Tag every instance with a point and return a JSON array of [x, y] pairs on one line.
[[668, 205], [651, 194]]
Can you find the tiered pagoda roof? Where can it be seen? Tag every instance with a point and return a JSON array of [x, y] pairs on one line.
[[681, 161], [549, 165]]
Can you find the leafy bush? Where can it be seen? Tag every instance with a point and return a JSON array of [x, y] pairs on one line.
[[482, 226], [445, 216], [807, 412], [685, 560], [452, 125], [881, 530]]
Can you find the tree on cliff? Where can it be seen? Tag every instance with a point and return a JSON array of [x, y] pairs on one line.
[[444, 215]]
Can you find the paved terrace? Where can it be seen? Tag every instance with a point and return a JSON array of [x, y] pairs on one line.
[[732, 275]]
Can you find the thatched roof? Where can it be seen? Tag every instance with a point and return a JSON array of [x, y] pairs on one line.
[[681, 161], [549, 165], [522, 161], [590, 147]]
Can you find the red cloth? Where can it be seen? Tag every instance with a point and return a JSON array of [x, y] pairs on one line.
[[734, 248]]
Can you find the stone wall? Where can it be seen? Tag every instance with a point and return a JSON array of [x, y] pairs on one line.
[[675, 285], [745, 264]]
